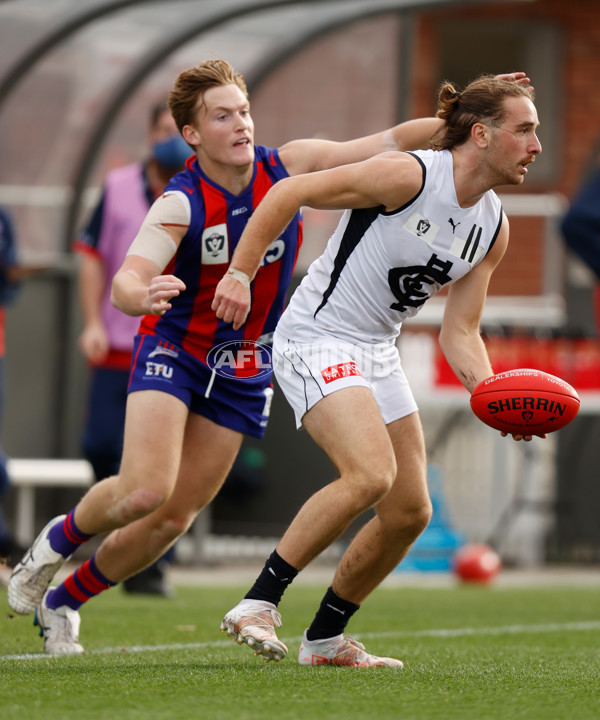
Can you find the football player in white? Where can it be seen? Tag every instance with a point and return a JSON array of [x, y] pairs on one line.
[[415, 222]]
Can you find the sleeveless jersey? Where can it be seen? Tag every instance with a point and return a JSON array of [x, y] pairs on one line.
[[380, 267], [217, 219]]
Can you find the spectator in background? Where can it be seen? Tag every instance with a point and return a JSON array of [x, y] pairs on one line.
[[581, 230], [9, 286], [107, 337]]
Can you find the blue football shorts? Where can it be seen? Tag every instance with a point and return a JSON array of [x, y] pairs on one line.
[[241, 404]]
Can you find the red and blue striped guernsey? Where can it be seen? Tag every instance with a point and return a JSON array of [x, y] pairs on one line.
[[217, 221]]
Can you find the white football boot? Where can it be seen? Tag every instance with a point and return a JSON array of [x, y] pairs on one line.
[[59, 628], [253, 622], [341, 650], [31, 577]]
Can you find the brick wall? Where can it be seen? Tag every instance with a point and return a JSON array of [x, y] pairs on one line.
[[346, 84], [578, 84]]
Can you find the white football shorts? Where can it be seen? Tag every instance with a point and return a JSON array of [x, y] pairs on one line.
[[308, 371]]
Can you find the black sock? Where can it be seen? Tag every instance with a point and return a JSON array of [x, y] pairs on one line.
[[332, 617], [274, 578]]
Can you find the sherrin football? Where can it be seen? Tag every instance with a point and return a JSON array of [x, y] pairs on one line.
[[525, 402], [476, 562]]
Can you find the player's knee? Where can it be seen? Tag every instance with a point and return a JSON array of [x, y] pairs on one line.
[[375, 482], [413, 521], [139, 503], [176, 525], [421, 517], [385, 477], [379, 488]]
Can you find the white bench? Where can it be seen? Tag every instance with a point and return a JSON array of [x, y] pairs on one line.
[[28, 474]]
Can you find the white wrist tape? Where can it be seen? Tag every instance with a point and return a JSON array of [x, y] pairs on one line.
[[239, 276], [153, 241]]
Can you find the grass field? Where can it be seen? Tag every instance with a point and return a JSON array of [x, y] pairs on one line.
[[469, 652]]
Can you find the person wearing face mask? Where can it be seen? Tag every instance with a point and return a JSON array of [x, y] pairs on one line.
[[106, 340]]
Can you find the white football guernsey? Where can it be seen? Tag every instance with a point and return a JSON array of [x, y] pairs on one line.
[[380, 267]]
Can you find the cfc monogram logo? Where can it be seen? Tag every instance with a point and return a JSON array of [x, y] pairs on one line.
[[412, 285]]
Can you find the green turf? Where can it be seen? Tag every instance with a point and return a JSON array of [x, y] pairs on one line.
[[469, 652]]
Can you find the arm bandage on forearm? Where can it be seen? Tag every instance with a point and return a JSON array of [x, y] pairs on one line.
[[154, 241], [388, 140]]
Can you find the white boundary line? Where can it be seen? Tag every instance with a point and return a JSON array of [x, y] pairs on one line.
[[440, 632]]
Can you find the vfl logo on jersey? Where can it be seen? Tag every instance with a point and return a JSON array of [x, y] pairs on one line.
[[421, 227], [469, 249], [336, 372], [215, 245], [412, 285]]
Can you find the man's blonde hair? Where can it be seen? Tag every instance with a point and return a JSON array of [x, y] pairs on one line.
[[191, 85], [482, 99]]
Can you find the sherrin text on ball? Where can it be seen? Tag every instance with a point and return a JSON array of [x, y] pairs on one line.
[[525, 401]]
